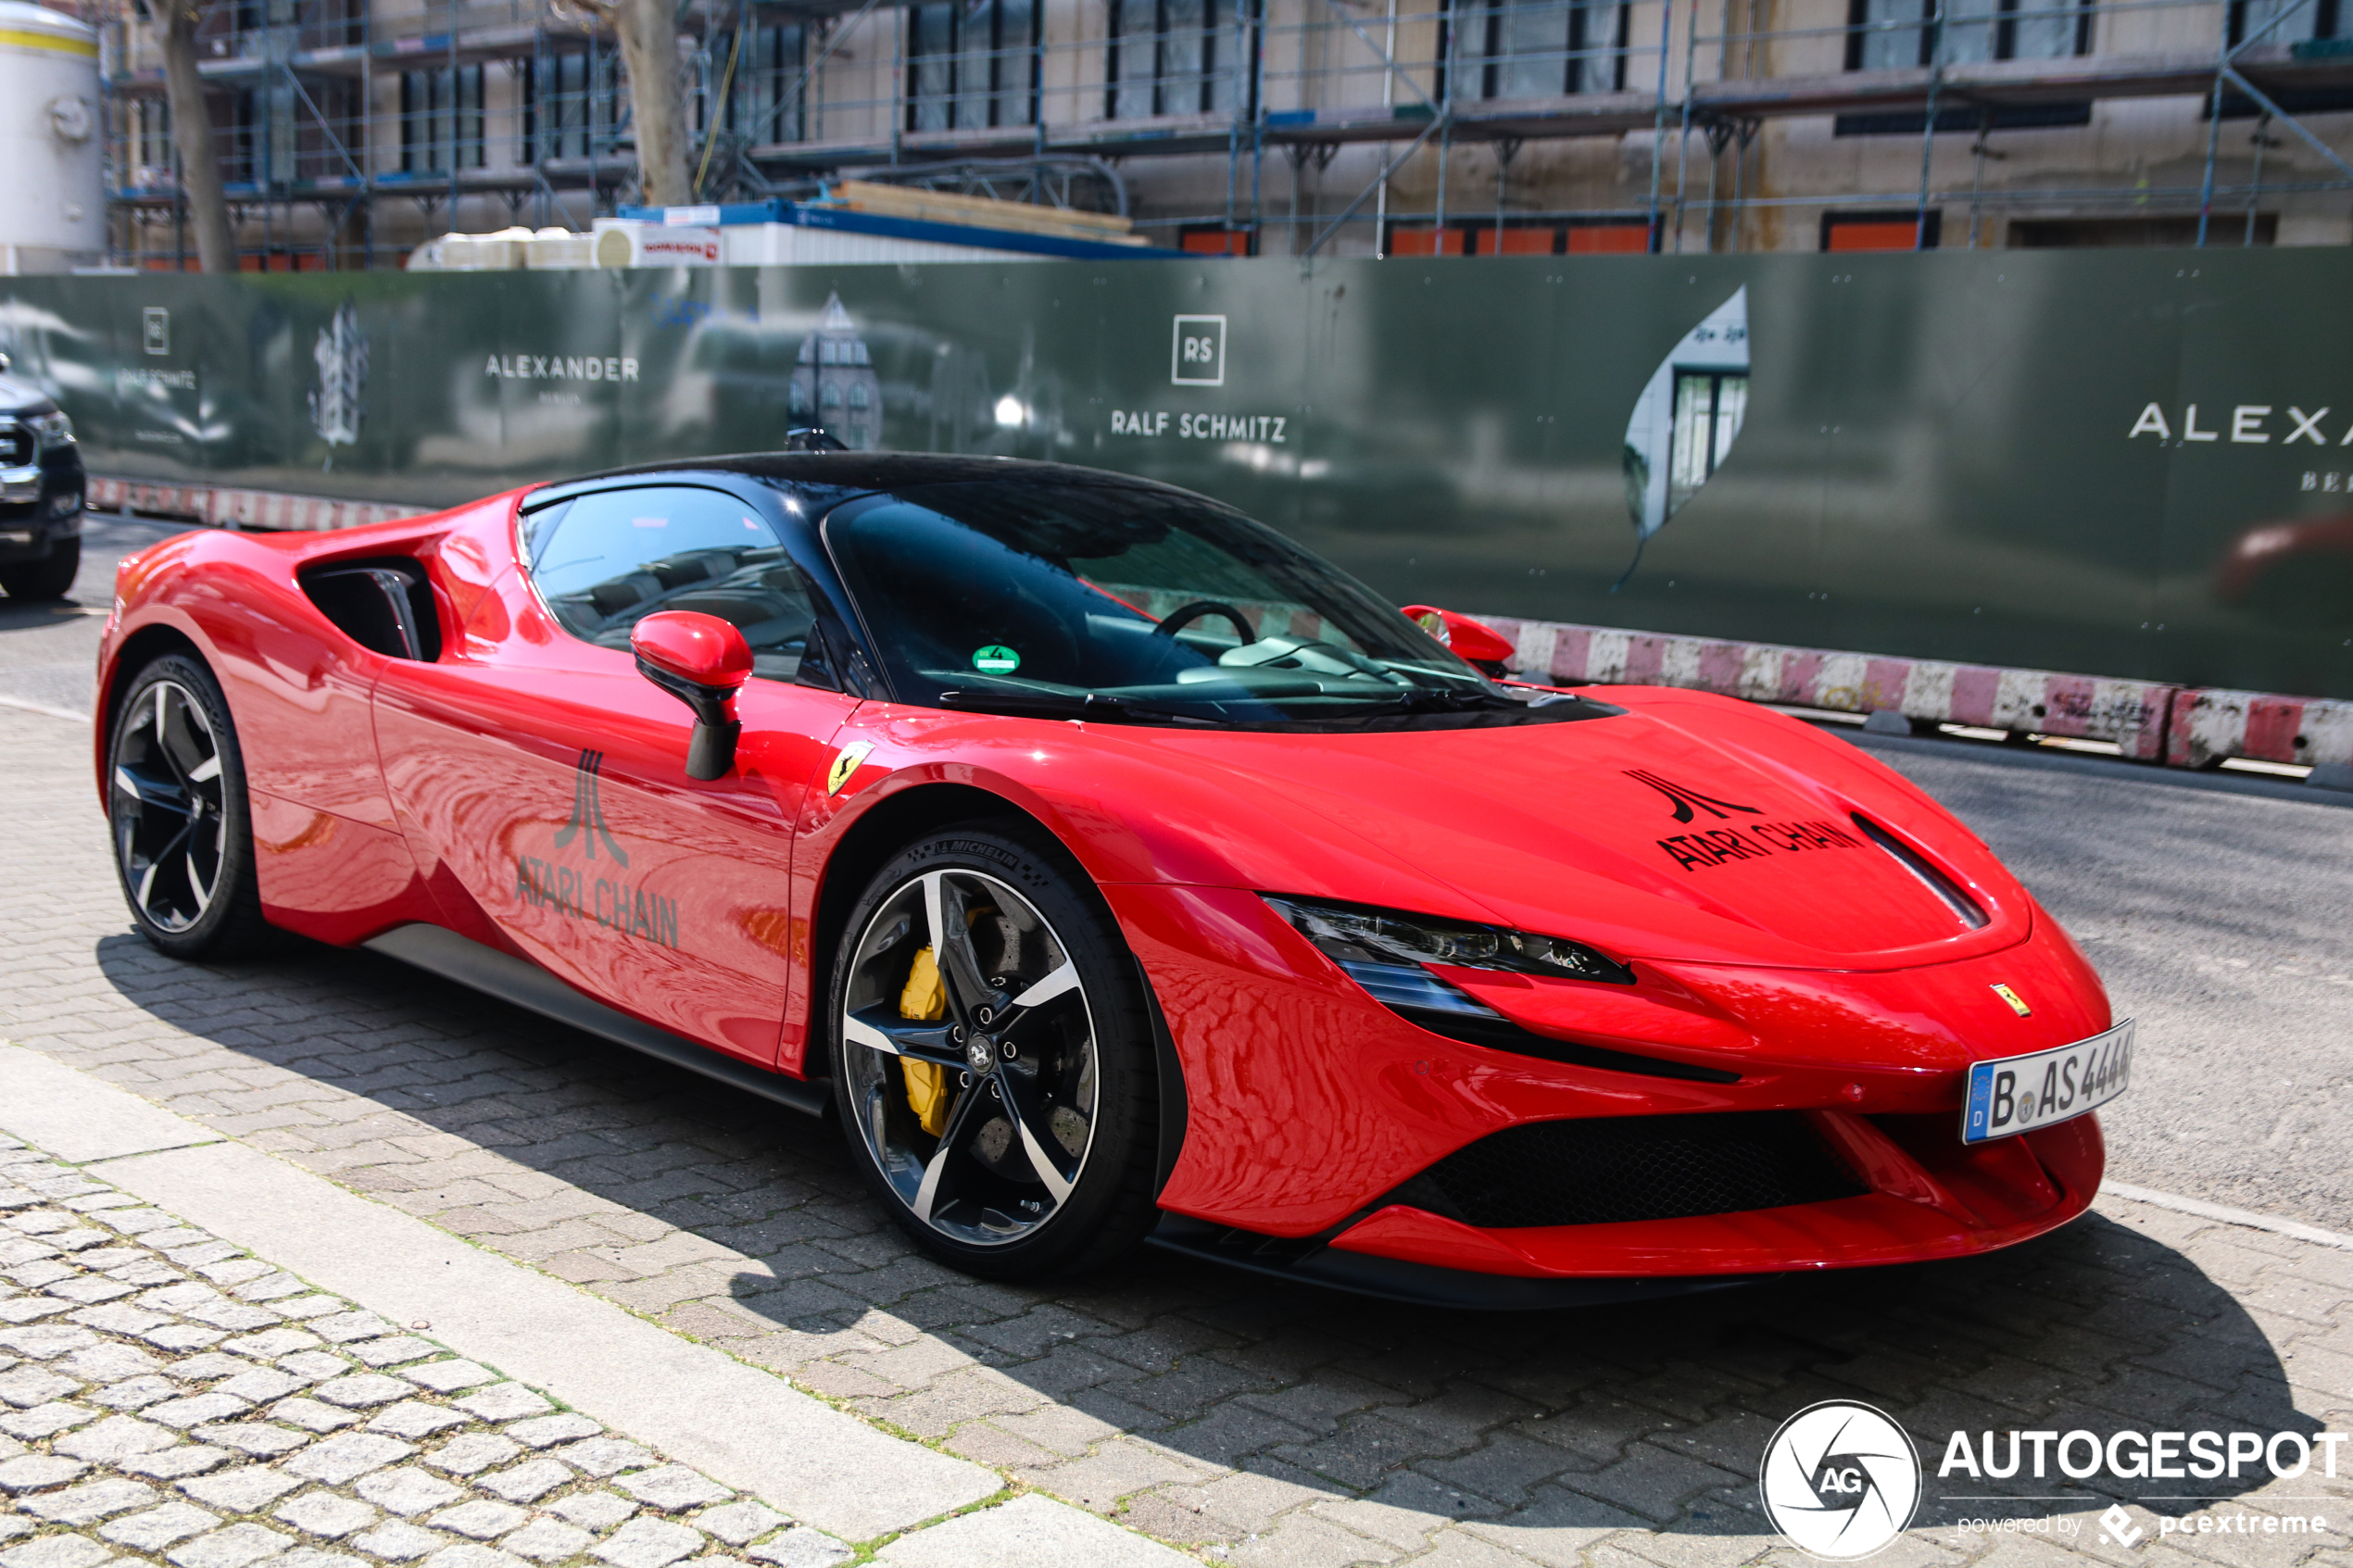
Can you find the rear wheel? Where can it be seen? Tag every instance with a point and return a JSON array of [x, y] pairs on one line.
[[992, 1059], [176, 801], [50, 579]]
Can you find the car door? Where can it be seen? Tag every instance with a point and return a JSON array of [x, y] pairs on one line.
[[544, 779]]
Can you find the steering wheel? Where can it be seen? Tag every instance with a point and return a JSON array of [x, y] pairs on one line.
[[1184, 615]]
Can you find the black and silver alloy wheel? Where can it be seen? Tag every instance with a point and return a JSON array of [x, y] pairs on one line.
[[176, 803], [169, 824], [989, 1066]]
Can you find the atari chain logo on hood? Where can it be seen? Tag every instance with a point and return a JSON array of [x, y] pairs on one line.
[[1761, 841]]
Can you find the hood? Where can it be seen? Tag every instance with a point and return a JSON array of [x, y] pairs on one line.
[[23, 398], [1688, 828]]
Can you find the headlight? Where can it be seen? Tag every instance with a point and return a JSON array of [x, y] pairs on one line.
[[1384, 951], [55, 430]]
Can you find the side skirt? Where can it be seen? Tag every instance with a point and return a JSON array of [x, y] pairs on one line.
[[510, 979]]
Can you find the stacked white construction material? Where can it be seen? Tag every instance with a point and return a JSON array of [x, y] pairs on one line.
[[558, 250], [856, 221], [502, 251]]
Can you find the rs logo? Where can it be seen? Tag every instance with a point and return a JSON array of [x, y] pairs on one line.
[[1198, 355]]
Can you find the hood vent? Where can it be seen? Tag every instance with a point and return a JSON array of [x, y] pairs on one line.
[[1949, 892]]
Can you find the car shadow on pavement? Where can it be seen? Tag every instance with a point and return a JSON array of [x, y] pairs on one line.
[[17, 615], [1201, 1404]]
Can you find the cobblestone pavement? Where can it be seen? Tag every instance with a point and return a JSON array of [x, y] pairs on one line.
[[164, 1394], [1245, 1421]]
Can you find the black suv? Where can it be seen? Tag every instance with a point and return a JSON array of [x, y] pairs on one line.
[[41, 489]]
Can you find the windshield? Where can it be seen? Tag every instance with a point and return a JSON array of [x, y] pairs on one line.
[[1051, 596]]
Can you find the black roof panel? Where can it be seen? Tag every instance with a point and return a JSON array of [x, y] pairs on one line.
[[869, 470]]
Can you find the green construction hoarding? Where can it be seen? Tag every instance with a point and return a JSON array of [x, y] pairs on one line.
[[2134, 464]]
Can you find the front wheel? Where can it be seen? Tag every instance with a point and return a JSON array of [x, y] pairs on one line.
[[992, 1056], [183, 830]]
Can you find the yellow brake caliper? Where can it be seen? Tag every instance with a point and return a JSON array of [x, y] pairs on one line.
[[923, 999]]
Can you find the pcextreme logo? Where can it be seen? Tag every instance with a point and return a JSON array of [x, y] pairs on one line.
[[1841, 1480], [574, 890]]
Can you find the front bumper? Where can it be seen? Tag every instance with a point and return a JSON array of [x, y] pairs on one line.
[[1318, 1119], [40, 504]]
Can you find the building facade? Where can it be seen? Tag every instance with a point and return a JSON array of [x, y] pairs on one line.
[[349, 131]]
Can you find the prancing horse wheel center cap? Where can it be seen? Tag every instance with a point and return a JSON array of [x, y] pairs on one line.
[[980, 1054]]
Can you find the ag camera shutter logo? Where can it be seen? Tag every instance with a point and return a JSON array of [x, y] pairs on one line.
[[1841, 1480], [1198, 355]]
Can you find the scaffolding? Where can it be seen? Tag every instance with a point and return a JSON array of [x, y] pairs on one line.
[[350, 129]]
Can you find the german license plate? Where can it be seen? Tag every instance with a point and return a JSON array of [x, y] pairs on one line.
[[2017, 1093]]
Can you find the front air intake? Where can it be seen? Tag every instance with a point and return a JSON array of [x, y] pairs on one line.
[[1604, 1170]]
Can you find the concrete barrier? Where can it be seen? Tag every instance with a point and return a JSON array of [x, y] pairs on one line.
[[226, 508], [2209, 725], [2134, 714]]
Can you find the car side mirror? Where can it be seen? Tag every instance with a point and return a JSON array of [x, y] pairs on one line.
[[1472, 641], [703, 661]]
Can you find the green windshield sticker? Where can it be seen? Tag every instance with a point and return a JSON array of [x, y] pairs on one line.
[[996, 659]]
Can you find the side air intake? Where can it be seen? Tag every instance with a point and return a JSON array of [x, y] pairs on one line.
[[385, 605]]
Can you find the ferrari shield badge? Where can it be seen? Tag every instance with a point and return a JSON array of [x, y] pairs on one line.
[[846, 763]]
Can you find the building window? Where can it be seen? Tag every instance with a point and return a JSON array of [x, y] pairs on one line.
[[972, 63], [560, 104], [1880, 230], [1708, 405], [244, 159], [771, 100], [2316, 18], [441, 119], [1540, 48], [1169, 56], [152, 129], [1903, 35]]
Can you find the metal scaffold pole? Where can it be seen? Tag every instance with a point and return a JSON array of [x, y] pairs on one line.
[[1683, 145], [1659, 121], [1927, 122]]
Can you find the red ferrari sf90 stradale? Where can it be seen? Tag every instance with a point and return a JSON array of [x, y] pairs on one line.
[[1115, 870]]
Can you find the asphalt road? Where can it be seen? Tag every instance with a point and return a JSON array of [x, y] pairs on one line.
[[2219, 910], [48, 652]]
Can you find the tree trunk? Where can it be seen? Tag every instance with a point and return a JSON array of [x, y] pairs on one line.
[[173, 23], [648, 31]]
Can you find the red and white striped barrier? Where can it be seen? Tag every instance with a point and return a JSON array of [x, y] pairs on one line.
[[2134, 714], [224, 508], [2209, 725]]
